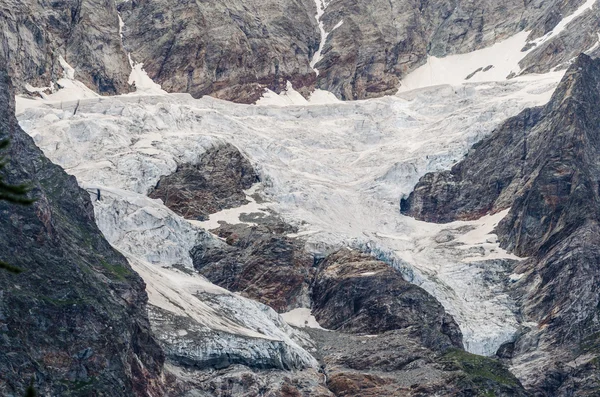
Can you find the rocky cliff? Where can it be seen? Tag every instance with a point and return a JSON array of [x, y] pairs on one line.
[[543, 165], [37, 36], [74, 321], [229, 49], [234, 50], [380, 42]]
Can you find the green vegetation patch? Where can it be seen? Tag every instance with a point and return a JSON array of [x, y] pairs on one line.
[[119, 272], [481, 371]]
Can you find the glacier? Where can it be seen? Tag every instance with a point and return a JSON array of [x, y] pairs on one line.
[[336, 171]]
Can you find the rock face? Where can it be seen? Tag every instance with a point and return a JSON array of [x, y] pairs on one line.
[[396, 364], [75, 319], [379, 42], [260, 262], [217, 182], [562, 48], [228, 49], [543, 164], [234, 50], [35, 34], [354, 293]]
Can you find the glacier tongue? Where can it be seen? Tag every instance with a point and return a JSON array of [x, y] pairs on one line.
[[157, 243], [337, 171]]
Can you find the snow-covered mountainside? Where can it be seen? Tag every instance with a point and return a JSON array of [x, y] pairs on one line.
[[336, 171], [243, 217]]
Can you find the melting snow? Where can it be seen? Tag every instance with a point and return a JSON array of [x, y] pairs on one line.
[[301, 318]]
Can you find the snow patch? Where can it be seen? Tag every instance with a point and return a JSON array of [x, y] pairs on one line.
[[288, 97], [232, 215], [143, 83], [321, 6], [67, 89], [560, 27], [301, 318], [291, 97]]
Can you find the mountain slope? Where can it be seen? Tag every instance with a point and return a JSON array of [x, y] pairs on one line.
[[39, 36], [75, 320], [235, 50], [543, 165], [228, 49]]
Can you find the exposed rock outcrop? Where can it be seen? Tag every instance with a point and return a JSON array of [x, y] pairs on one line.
[[396, 364], [229, 49], [543, 164], [261, 262], [217, 182], [35, 34], [75, 319], [355, 293]]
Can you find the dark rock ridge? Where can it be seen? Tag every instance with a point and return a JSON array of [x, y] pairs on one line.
[[354, 293], [228, 49], [34, 33], [261, 262], [75, 319], [217, 182], [544, 165]]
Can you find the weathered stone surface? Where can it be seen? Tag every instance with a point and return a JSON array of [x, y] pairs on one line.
[[217, 182], [75, 319], [355, 293], [260, 262], [395, 363], [228, 49], [580, 36], [543, 164], [85, 33], [381, 41]]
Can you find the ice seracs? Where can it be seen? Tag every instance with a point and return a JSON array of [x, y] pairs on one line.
[[336, 171]]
